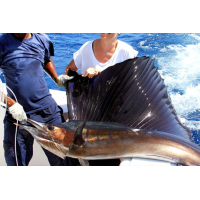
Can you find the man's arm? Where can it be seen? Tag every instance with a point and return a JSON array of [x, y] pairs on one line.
[[50, 69], [15, 109]]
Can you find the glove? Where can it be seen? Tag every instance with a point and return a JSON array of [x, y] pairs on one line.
[[62, 79], [17, 112]]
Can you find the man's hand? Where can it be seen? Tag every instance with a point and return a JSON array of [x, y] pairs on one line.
[[17, 112], [62, 79]]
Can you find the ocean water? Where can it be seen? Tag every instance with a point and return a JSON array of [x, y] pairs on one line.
[[177, 57]]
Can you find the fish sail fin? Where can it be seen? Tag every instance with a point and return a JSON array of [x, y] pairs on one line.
[[131, 93]]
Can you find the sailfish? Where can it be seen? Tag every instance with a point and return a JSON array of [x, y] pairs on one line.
[[123, 112]]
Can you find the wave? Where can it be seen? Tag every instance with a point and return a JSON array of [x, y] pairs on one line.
[[179, 66]]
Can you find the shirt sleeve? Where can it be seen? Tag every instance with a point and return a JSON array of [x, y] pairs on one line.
[[131, 53], [77, 59], [82, 55], [49, 49], [78, 55]]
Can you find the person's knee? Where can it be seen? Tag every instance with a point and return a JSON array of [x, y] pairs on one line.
[[9, 154]]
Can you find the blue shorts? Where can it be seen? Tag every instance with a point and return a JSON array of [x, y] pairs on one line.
[[51, 115]]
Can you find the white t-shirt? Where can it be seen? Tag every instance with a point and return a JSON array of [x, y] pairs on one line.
[[84, 58]]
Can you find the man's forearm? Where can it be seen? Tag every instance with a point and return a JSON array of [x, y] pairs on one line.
[[61, 80], [50, 69]]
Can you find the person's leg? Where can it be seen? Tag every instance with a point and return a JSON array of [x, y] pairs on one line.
[[24, 144], [25, 141], [9, 143]]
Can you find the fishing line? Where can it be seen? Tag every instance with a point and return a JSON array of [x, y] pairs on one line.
[[4, 105]]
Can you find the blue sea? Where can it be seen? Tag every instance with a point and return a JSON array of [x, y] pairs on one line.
[[177, 56]]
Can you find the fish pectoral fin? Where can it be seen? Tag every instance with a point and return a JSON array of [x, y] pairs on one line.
[[73, 147], [78, 139]]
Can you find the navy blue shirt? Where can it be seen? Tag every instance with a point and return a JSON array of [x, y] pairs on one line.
[[22, 62]]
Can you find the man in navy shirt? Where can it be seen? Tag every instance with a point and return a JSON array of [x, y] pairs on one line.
[[22, 60]]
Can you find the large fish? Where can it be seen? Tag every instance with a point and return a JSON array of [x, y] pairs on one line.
[[124, 112], [108, 140]]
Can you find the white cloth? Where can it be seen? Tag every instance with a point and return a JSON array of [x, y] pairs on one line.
[[62, 79], [84, 58], [17, 112]]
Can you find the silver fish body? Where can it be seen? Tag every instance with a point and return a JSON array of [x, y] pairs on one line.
[[101, 140]]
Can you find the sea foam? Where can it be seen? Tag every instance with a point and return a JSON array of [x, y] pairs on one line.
[[180, 70]]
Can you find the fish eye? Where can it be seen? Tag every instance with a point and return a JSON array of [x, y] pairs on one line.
[[50, 127]]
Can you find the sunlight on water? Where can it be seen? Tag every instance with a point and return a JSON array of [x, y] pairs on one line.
[[181, 69], [181, 72], [187, 102]]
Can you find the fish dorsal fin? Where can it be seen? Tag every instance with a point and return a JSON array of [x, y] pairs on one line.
[[78, 139], [131, 93]]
